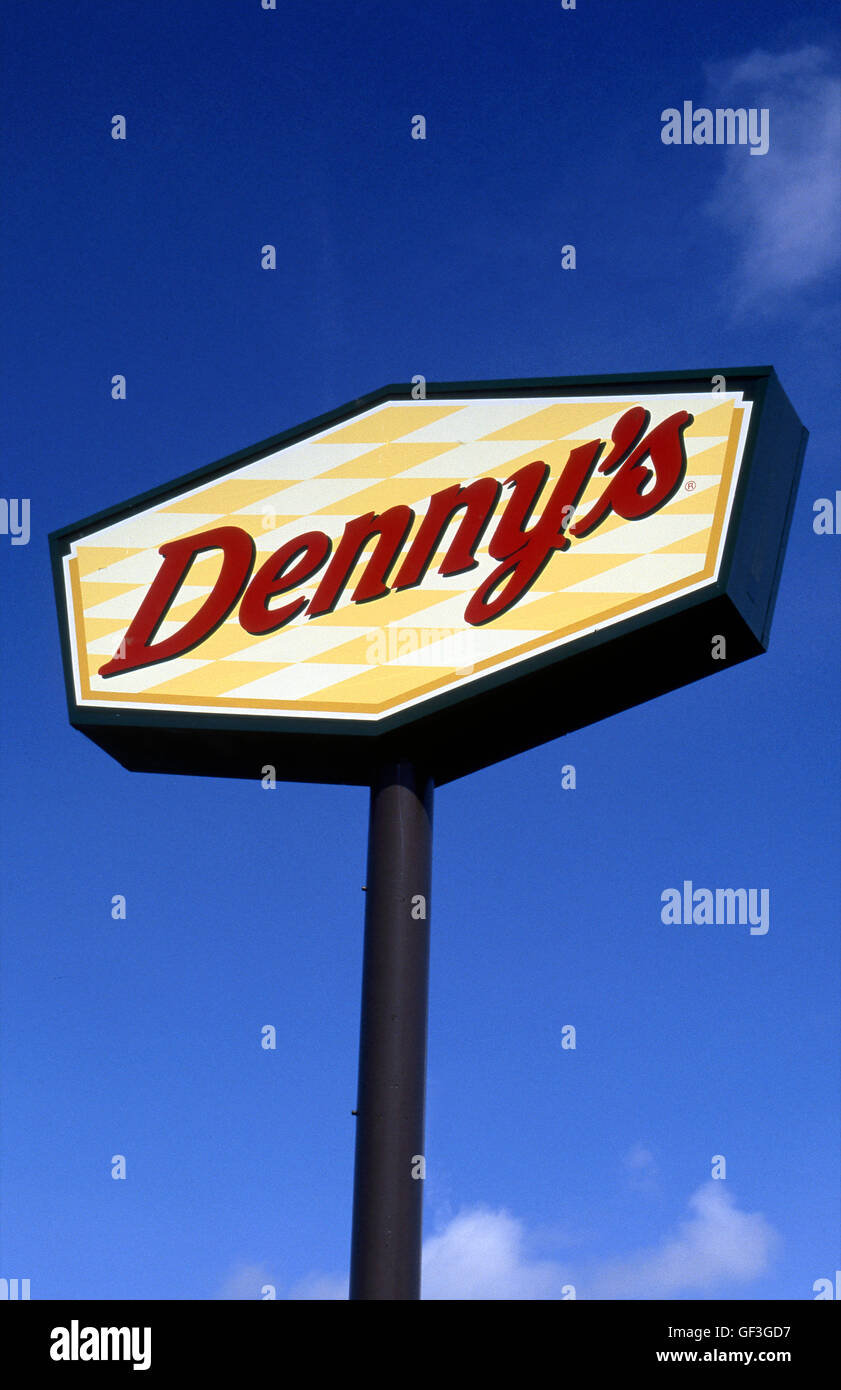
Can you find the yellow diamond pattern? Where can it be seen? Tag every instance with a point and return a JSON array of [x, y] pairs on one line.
[[374, 657]]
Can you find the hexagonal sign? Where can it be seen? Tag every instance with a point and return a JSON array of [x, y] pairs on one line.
[[452, 573]]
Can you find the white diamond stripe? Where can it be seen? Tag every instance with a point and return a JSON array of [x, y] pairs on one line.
[[307, 459], [639, 576], [150, 529], [134, 569], [649, 533], [127, 605], [308, 497], [698, 444], [600, 429], [135, 682], [465, 648], [296, 643], [476, 420], [295, 682], [475, 460]]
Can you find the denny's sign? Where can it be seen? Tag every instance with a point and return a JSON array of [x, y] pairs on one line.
[[454, 578]]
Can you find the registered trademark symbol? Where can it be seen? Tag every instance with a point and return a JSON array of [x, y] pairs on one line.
[[690, 486]]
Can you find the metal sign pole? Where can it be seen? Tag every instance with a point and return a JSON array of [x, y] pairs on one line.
[[390, 1164]]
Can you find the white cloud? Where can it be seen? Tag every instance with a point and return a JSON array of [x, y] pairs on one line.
[[783, 207], [321, 1287], [638, 1158], [481, 1254], [485, 1254], [718, 1244], [245, 1282]]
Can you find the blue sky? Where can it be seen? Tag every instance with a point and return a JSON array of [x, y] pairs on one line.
[[546, 1167]]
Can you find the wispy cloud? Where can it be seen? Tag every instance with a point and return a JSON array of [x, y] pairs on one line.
[[245, 1281], [641, 1168], [783, 208], [487, 1254], [320, 1287], [718, 1244]]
